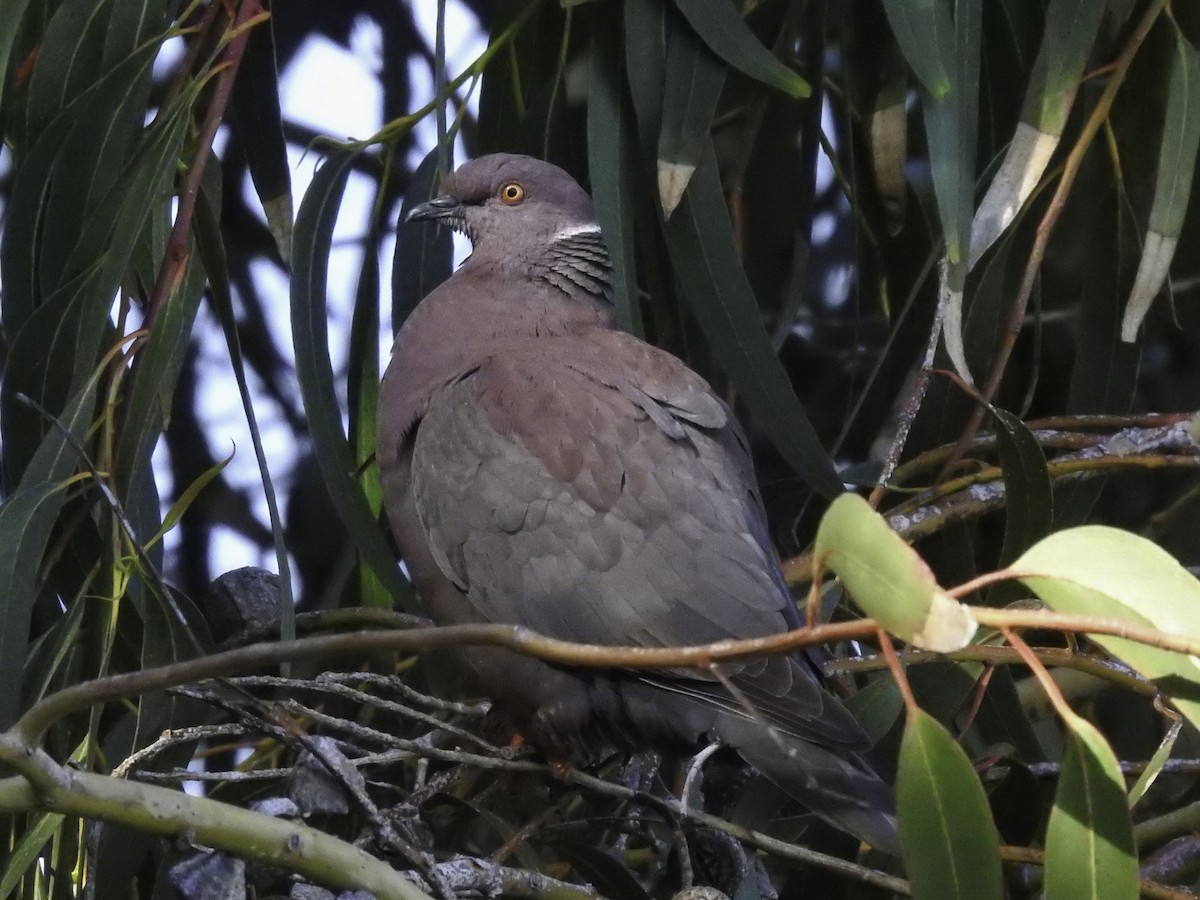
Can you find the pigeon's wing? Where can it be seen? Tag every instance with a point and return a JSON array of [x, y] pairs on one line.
[[594, 489]]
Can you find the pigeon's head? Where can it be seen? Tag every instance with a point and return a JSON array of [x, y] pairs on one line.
[[505, 201]]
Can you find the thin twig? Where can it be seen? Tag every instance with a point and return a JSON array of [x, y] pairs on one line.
[[175, 257]]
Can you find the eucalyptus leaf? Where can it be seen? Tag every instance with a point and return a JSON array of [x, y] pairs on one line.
[[951, 848], [1095, 570], [1089, 841]]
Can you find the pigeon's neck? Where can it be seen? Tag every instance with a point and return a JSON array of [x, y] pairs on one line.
[[576, 262]]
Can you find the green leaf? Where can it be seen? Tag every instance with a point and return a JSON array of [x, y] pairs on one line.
[[720, 27], [26, 520], [26, 853], [1089, 841], [424, 256], [1029, 500], [1180, 140], [611, 161], [694, 80], [1155, 765], [887, 579], [950, 124], [1099, 571], [1176, 167], [147, 408], [188, 497], [1067, 39], [212, 252], [876, 706], [646, 64], [259, 124], [700, 241], [950, 844], [310, 337], [925, 33], [362, 391]]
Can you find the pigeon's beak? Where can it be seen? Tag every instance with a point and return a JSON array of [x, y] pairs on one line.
[[442, 207]]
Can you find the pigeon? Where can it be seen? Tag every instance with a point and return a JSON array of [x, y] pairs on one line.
[[543, 468]]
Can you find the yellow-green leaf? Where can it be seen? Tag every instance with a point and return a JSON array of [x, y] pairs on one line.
[[1089, 841], [888, 580], [1101, 571]]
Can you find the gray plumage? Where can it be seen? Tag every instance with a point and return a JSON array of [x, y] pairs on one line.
[[542, 468]]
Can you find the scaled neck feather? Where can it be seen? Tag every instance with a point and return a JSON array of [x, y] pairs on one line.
[[576, 262]]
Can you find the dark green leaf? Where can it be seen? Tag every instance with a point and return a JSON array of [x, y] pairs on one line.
[[362, 390], [611, 160], [260, 127], [424, 254], [147, 408], [605, 873], [1067, 39], [700, 240], [1173, 191], [925, 33], [212, 251], [310, 336], [720, 27], [1029, 500], [26, 519], [877, 707], [646, 64], [694, 80]]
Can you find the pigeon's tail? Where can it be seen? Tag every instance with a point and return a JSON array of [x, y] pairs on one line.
[[837, 785]]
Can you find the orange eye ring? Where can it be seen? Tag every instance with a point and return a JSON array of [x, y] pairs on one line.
[[511, 193]]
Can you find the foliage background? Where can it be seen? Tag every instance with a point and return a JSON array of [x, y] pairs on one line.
[[807, 299]]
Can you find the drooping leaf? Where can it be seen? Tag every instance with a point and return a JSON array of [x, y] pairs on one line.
[[1095, 570], [259, 123], [26, 519], [602, 870], [925, 32], [876, 707], [693, 84], [700, 240], [612, 147], [1089, 841], [720, 27], [212, 251], [889, 138], [1029, 500], [310, 336], [1067, 39], [942, 44], [887, 579], [424, 255], [646, 64], [1176, 167], [951, 848], [1154, 765], [362, 391]]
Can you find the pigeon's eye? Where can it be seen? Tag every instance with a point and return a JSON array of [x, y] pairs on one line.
[[512, 193]]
